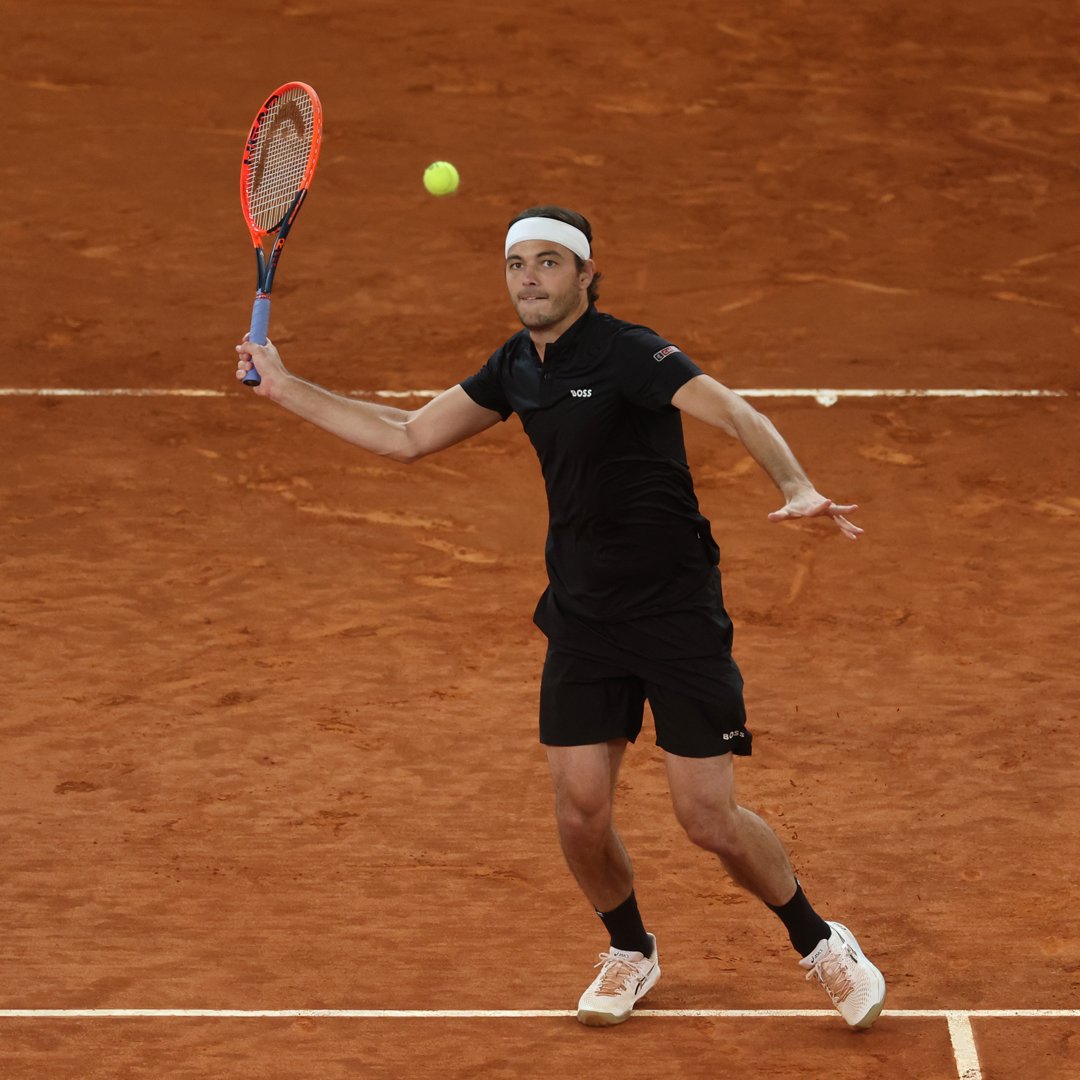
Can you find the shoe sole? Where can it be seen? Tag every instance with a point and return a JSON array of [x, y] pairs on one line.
[[873, 1014], [868, 1018], [602, 1019], [597, 1018]]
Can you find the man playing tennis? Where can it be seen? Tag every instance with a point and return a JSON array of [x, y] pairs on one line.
[[634, 609]]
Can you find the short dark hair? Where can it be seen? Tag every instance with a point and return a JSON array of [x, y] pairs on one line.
[[569, 217]]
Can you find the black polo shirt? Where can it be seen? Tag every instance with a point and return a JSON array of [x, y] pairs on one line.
[[626, 538]]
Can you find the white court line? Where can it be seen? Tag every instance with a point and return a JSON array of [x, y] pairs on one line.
[[530, 1013], [822, 395], [963, 1045], [831, 397], [518, 1014], [57, 391], [961, 1036]]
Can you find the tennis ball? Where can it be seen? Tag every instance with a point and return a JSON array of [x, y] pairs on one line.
[[441, 178]]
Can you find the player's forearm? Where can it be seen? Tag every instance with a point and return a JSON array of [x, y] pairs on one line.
[[378, 428], [767, 447]]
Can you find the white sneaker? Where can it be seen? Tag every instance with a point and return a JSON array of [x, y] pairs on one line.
[[856, 987], [624, 979]]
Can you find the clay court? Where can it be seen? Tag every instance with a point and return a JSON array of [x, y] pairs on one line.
[[270, 777]]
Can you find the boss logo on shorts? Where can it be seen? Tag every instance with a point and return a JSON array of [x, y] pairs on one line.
[[581, 393], [729, 735], [658, 356]]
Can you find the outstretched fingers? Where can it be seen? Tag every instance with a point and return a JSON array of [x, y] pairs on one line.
[[852, 532], [820, 507]]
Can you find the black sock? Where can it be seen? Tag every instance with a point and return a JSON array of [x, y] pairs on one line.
[[804, 925], [625, 927]]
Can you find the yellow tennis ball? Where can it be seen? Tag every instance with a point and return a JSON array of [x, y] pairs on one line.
[[441, 178]]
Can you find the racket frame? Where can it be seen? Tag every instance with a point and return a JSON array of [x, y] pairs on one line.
[[266, 264]]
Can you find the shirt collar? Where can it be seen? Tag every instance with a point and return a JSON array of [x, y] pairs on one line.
[[572, 337]]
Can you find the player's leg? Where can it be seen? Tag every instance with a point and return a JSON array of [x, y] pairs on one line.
[[584, 778], [703, 794], [588, 714], [587, 717], [700, 739]]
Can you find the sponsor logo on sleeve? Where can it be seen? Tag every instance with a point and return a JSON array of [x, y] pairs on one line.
[[658, 356]]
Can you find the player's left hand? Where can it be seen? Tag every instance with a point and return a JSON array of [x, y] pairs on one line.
[[813, 504]]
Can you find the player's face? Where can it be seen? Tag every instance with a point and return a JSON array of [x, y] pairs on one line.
[[548, 290]]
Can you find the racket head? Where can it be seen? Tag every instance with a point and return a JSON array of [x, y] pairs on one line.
[[280, 155]]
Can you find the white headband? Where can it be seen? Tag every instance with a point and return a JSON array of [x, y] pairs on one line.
[[542, 228]]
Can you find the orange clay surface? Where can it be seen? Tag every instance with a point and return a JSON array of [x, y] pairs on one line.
[[267, 713]]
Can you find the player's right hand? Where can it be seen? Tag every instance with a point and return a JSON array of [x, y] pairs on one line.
[[267, 360]]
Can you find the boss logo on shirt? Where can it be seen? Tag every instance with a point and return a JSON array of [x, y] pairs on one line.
[[581, 393], [664, 352]]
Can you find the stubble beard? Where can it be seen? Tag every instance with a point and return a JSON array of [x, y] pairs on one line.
[[537, 320]]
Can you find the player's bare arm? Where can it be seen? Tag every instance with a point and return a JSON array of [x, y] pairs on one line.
[[398, 434], [713, 403]]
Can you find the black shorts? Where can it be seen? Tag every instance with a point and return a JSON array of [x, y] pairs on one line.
[[584, 702], [598, 676]]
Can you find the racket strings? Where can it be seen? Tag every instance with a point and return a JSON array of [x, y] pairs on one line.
[[283, 145]]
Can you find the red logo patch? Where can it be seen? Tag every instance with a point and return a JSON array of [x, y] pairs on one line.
[[665, 352]]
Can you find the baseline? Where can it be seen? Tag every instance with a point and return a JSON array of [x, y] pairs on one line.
[[531, 1014], [961, 1036]]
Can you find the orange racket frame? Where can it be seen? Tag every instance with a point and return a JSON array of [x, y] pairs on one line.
[[283, 107]]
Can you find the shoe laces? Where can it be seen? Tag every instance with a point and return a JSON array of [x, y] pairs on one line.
[[833, 971], [614, 975]]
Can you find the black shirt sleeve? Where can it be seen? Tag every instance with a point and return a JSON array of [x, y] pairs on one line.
[[485, 387], [651, 369]]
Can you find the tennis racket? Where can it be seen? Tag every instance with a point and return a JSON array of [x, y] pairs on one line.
[[276, 171]]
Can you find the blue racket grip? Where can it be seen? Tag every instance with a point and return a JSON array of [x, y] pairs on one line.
[[260, 322]]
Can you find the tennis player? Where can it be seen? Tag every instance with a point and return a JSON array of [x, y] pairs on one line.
[[634, 610]]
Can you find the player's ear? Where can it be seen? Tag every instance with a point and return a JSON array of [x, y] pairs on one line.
[[587, 273]]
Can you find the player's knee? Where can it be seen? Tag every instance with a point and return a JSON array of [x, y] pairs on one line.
[[583, 820], [713, 829]]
